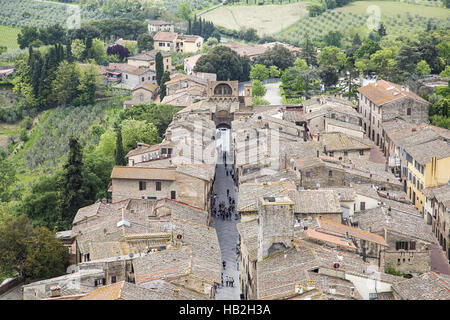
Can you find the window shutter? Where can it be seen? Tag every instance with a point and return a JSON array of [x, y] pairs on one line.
[[397, 245], [412, 245], [406, 246]]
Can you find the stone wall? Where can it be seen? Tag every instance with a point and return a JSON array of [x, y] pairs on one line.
[[398, 109], [192, 191], [276, 226], [407, 261], [248, 275], [320, 175], [129, 188]]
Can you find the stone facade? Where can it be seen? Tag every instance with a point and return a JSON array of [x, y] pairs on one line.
[[407, 260], [132, 80], [181, 187], [155, 26], [321, 176], [390, 101], [130, 188]]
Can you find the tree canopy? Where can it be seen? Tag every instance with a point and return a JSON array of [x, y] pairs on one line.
[[278, 56], [32, 253], [224, 62]]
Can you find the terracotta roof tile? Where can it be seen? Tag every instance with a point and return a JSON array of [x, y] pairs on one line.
[[383, 92], [165, 36], [142, 173]]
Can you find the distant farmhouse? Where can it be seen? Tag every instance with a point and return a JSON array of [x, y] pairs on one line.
[[170, 42], [159, 25]]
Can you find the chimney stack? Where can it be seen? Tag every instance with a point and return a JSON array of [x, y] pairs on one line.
[[55, 292]]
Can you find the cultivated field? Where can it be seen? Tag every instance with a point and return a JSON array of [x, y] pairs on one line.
[[266, 19], [8, 37], [19, 13], [399, 18], [391, 8]]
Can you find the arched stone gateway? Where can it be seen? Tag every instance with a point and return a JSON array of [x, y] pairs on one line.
[[223, 118], [223, 125], [224, 96]]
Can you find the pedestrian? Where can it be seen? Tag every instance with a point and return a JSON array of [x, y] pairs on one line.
[[224, 264], [232, 281], [227, 173], [228, 192]]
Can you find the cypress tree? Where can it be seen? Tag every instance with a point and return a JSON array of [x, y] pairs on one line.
[[73, 198], [164, 79], [189, 26], [357, 40], [381, 30], [195, 26], [43, 77], [69, 55], [36, 68], [159, 64], [309, 52], [119, 153]]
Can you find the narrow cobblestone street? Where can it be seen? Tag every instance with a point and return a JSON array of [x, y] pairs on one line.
[[226, 230]]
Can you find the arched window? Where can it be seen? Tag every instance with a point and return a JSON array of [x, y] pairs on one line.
[[222, 90]]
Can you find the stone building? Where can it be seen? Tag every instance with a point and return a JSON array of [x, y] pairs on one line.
[[316, 203], [249, 194], [383, 101], [145, 152], [144, 93], [181, 81], [406, 234], [147, 59], [165, 41], [314, 173], [171, 41], [332, 114], [184, 90], [160, 25], [128, 75], [190, 184], [342, 146]]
